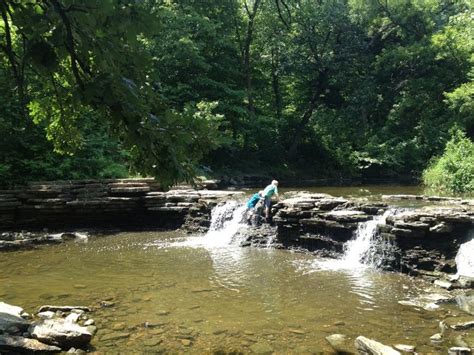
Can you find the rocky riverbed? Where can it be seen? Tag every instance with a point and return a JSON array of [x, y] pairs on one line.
[[52, 329]]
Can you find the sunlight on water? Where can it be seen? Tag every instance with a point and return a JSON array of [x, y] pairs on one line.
[[226, 221], [208, 290]]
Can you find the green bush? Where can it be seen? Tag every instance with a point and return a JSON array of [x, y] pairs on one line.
[[453, 172]]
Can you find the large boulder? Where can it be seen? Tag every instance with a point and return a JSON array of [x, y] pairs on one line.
[[466, 303], [17, 344], [371, 347], [12, 324], [340, 343], [60, 332], [11, 320], [13, 310]]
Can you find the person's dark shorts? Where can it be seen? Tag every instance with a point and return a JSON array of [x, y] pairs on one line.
[[268, 202]]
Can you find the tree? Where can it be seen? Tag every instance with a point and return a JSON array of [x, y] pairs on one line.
[[93, 56]]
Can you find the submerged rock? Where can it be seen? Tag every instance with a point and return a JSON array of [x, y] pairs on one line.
[[466, 303], [261, 348], [340, 343], [115, 336]]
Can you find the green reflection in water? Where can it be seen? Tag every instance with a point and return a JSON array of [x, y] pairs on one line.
[[200, 299]]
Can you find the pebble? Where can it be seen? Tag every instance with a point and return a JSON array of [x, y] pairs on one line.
[[436, 338], [153, 324], [186, 342], [219, 331], [106, 304], [199, 290], [152, 342], [405, 348], [119, 326], [163, 313], [115, 336], [89, 322], [157, 331], [297, 331]]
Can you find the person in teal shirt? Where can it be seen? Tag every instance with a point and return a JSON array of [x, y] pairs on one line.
[[268, 193], [254, 199]]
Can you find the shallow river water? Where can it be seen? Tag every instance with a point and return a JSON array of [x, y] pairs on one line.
[[170, 292], [166, 294]]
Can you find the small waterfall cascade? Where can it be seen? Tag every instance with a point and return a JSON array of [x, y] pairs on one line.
[[365, 248], [226, 221], [465, 258], [222, 214], [362, 252]]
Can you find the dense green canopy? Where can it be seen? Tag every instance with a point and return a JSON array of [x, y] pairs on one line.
[[321, 88]]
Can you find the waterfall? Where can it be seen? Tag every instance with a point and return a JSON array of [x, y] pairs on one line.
[[225, 223], [465, 258], [365, 248]]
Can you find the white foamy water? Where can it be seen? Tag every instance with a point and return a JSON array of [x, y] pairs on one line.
[[365, 250], [465, 258], [226, 221]]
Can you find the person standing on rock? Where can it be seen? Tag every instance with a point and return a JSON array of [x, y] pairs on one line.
[[268, 193]]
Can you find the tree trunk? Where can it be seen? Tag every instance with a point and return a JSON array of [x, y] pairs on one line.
[[276, 84], [318, 89], [247, 61]]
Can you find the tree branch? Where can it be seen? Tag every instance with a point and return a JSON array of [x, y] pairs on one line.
[[70, 46]]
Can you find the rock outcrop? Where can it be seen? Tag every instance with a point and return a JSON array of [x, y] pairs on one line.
[[100, 204], [54, 328], [425, 240], [428, 238], [320, 221]]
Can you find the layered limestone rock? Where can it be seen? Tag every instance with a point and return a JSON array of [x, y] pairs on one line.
[[320, 221], [127, 204], [425, 239], [429, 238]]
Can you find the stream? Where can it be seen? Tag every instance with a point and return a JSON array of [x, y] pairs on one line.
[[172, 292]]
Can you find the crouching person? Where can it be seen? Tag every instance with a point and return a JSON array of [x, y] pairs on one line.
[[254, 208]]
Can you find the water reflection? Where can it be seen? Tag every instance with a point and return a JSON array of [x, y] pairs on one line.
[[229, 265]]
